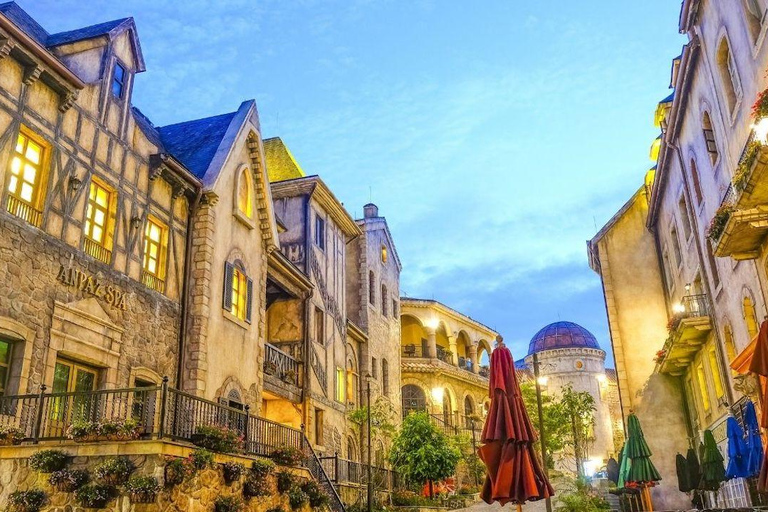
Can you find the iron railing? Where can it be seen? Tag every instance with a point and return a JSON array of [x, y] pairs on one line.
[[694, 306], [282, 365], [343, 471], [317, 471], [152, 281], [97, 250], [414, 351]]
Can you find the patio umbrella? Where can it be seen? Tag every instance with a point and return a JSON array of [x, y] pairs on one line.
[[624, 464], [759, 365], [694, 469], [683, 475], [641, 472], [738, 457], [612, 470], [712, 469], [514, 473], [754, 441]]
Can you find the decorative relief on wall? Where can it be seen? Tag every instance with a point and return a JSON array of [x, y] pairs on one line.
[[294, 252], [331, 306]]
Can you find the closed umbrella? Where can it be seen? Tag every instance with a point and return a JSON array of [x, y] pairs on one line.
[[612, 470], [738, 457], [642, 472], [759, 365], [712, 469], [514, 473], [624, 464], [753, 440], [683, 475], [694, 469]]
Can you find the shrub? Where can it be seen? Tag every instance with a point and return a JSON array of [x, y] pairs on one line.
[[218, 439], [68, 480], [256, 485], [95, 495], [228, 504], [262, 467], [10, 435], [232, 471], [48, 461], [142, 489], [114, 471], [406, 498], [27, 501], [176, 470], [201, 459], [287, 456], [285, 480], [112, 430], [316, 495], [297, 498], [719, 221], [278, 509]]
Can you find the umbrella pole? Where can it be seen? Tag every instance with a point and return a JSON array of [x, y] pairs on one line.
[[519, 508], [648, 498]]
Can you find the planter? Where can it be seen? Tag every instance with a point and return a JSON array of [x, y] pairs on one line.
[[143, 497], [113, 479], [9, 441], [174, 476], [232, 474]]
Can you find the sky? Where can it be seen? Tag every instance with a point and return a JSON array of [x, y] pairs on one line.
[[495, 136]]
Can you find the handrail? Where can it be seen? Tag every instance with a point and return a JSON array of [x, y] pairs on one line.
[[318, 472]]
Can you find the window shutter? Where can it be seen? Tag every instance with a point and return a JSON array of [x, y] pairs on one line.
[[229, 270], [249, 300]]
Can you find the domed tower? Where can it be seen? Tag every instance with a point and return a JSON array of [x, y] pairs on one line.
[[570, 354]]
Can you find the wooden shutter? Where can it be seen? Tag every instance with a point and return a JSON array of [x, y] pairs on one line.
[[249, 300], [229, 271]]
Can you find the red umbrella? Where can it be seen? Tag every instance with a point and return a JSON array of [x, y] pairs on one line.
[[759, 365], [514, 473]]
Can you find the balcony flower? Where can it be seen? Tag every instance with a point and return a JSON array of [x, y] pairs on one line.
[[760, 108], [719, 221], [745, 165]]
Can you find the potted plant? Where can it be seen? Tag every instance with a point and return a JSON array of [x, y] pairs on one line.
[[719, 221], [315, 494], [285, 480], [114, 471], [289, 376], [219, 439], [257, 485], [27, 501], [286, 455], [94, 495], [83, 431], [69, 480], [201, 459], [744, 168], [270, 368], [121, 430], [227, 504], [142, 489], [48, 461], [297, 498], [760, 108], [176, 470], [262, 467], [10, 435], [232, 471]]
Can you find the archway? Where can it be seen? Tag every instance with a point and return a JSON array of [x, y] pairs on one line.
[[414, 399], [413, 337], [484, 353], [462, 350]]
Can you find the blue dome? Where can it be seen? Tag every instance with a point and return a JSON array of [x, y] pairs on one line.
[[562, 335]]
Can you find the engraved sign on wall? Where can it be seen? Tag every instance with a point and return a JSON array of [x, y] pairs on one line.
[[91, 285]]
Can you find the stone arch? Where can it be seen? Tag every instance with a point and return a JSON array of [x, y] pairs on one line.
[[351, 448], [463, 343], [229, 385], [144, 374], [484, 350], [413, 336], [244, 193], [469, 405], [414, 399]]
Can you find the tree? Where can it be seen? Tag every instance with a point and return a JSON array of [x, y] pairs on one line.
[[422, 453], [556, 428], [382, 426], [578, 407]]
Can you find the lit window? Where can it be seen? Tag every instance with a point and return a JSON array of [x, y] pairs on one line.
[[155, 242], [239, 293], [99, 221], [714, 369], [26, 180], [750, 317], [244, 195], [320, 233], [702, 381], [118, 80], [351, 385], [340, 379], [383, 254], [5, 365]]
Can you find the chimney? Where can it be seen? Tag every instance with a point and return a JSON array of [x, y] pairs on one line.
[[370, 211]]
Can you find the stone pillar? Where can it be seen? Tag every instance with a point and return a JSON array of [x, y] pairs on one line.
[[473, 357], [431, 343], [454, 350]]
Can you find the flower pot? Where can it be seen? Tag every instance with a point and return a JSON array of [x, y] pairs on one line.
[[231, 476], [173, 477], [143, 497], [113, 479], [9, 441]]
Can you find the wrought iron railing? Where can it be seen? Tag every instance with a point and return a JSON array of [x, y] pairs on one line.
[[343, 471], [444, 355], [694, 306], [413, 351], [153, 282], [317, 471], [281, 365]]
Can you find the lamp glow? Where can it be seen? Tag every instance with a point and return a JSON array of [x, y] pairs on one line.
[[542, 381], [761, 130], [678, 308], [437, 394], [602, 379], [432, 323]]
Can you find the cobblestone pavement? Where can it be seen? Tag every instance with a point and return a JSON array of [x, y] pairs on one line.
[[536, 506]]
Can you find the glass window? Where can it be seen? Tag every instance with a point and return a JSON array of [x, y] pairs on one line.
[[99, 221], [383, 254], [5, 364], [703, 393], [118, 80], [25, 182], [239, 293], [340, 391], [244, 194], [320, 233], [728, 74], [714, 368], [374, 368], [384, 300], [155, 249], [750, 317], [696, 183], [678, 256], [319, 326], [709, 137], [684, 217]]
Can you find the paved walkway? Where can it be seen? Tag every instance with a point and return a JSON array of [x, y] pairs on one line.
[[536, 506]]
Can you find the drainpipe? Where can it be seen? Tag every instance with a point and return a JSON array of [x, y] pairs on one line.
[[305, 389]]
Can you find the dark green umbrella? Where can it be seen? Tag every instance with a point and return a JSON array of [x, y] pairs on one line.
[[641, 470], [612, 470], [694, 470], [624, 464], [683, 475], [712, 469]]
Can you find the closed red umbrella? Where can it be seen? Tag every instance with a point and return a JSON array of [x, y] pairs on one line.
[[759, 365], [514, 473]]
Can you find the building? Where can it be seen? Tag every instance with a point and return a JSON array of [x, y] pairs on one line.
[[569, 355], [683, 262]]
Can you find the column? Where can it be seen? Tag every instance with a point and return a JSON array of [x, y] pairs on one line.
[[431, 343], [473, 357], [454, 350]]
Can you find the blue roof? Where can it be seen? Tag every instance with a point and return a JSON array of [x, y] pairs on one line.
[[562, 335], [24, 21], [84, 33], [194, 143]]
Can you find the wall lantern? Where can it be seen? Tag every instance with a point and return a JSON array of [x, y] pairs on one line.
[[437, 395], [135, 222], [74, 183]]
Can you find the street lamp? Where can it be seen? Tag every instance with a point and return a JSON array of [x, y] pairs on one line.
[[368, 379], [542, 433]]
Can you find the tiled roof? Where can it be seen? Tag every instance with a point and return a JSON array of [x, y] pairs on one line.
[[84, 33], [24, 21], [194, 143], [281, 165], [562, 335]]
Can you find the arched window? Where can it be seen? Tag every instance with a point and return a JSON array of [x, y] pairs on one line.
[[245, 193], [384, 377], [351, 451], [371, 287], [728, 74], [447, 409], [750, 317], [696, 182], [709, 136], [384, 308], [676, 246], [754, 16], [384, 254], [469, 406], [352, 382], [414, 399], [730, 347]]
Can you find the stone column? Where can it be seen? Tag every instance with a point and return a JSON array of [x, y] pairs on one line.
[[431, 343], [454, 350], [473, 357]]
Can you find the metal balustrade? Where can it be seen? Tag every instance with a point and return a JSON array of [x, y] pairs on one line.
[[343, 471], [282, 365], [694, 306]]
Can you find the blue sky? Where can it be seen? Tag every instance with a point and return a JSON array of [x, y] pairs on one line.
[[495, 136]]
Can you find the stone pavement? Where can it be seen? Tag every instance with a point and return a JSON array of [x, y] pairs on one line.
[[536, 506]]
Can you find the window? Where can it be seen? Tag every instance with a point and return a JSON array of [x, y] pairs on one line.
[[754, 16], [384, 300], [676, 247], [155, 250], [143, 401], [385, 377], [5, 364], [414, 399], [119, 77], [709, 137], [703, 393], [728, 74], [750, 317], [714, 369], [245, 194], [25, 184], [238, 291], [371, 287], [684, 217], [319, 437], [394, 308], [730, 347], [351, 384], [341, 393], [320, 233], [384, 254], [696, 182], [374, 368], [712, 266], [71, 377], [100, 221], [319, 326], [667, 273]]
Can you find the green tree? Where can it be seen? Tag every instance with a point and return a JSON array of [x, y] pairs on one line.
[[556, 428], [422, 453], [578, 410]]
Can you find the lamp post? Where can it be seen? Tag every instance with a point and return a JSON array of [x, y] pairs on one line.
[[368, 402], [542, 433]]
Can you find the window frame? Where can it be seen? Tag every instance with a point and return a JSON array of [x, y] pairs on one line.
[[8, 365], [155, 280], [122, 82], [90, 245], [244, 178], [244, 293], [35, 216], [320, 234], [340, 394]]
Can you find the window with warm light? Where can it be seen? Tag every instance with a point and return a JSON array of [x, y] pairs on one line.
[[384, 254], [100, 221], [714, 369], [155, 249], [729, 75], [341, 393], [750, 317], [245, 194], [26, 181], [239, 291], [703, 393]]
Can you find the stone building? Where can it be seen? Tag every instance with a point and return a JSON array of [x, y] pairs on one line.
[[683, 263], [570, 355], [444, 363]]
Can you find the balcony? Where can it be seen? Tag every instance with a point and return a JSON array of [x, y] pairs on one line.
[[282, 373], [688, 330], [443, 360]]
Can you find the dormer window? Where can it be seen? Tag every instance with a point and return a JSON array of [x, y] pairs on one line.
[[118, 81]]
